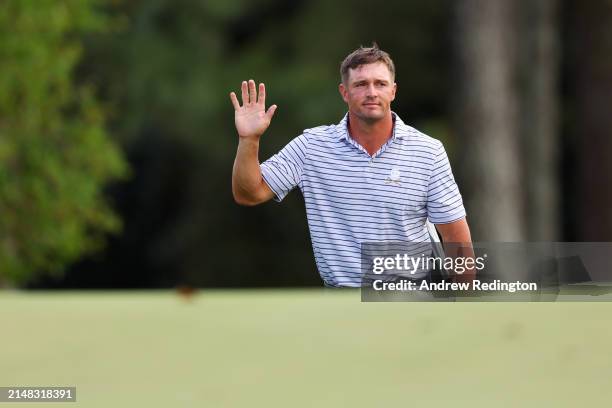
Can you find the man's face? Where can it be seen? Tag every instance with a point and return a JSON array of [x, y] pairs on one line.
[[368, 91]]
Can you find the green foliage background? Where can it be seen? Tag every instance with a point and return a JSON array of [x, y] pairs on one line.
[[55, 155]]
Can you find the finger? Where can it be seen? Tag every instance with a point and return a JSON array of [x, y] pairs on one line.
[[245, 93], [271, 111], [234, 100], [261, 99], [252, 92]]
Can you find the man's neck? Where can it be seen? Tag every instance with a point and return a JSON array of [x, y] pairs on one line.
[[371, 135]]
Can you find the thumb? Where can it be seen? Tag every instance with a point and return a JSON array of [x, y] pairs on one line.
[[271, 111]]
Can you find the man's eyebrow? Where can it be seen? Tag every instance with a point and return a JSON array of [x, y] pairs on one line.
[[360, 81]]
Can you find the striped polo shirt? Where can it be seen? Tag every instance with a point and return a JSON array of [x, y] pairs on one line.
[[353, 198]]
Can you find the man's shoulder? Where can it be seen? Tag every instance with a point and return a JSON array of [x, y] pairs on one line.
[[415, 137], [323, 133]]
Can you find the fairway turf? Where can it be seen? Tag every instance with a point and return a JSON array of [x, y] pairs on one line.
[[303, 348]]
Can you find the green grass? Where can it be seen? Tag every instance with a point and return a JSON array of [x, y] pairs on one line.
[[304, 348]]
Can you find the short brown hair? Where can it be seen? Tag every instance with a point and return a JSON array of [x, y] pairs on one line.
[[365, 55]]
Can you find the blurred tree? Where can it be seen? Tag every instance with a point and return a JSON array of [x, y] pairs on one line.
[[488, 104], [55, 156], [539, 65], [507, 103], [590, 65]]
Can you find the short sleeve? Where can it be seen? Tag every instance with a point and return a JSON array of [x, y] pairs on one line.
[[283, 171], [444, 202]]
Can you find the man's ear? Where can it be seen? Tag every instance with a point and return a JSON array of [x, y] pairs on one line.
[[394, 90], [343, 92]]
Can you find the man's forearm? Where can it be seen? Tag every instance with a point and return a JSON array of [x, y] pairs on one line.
[[246, 176], [457, 242]]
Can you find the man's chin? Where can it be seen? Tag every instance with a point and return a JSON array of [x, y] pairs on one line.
[[371, 117]]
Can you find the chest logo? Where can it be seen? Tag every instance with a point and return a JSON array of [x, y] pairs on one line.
[[394, 177]]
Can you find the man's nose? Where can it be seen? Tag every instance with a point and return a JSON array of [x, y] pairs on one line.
[[371, 90]]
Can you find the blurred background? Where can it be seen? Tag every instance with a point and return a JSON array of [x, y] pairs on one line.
[[117, 142], [117, 137]]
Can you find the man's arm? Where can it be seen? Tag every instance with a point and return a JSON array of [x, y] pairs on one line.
[[458, 243], [252, 120]]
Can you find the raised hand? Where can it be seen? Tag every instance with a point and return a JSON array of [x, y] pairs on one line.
[[251, 118]]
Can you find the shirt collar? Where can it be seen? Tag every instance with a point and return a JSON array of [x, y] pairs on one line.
[[399, 127]]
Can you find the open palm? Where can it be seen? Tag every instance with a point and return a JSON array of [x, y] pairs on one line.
[[251, 118]]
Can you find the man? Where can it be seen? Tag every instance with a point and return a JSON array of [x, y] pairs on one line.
[[370, 178]]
